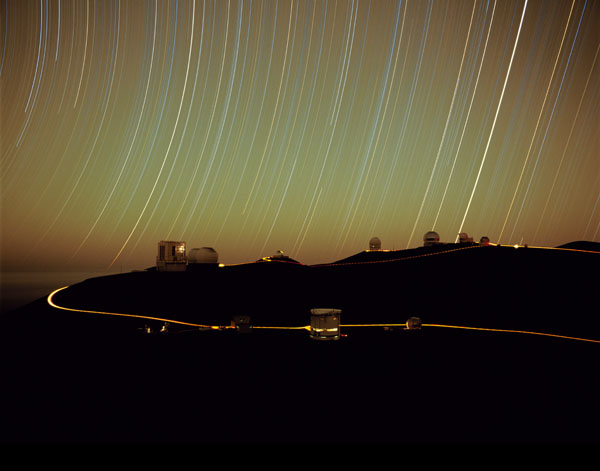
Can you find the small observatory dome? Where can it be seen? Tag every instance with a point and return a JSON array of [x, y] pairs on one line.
[[203, 255], [464, 238], [279, 255], [375, 244], [431, 238]]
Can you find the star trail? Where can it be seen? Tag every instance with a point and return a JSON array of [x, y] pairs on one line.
[[307, 126]]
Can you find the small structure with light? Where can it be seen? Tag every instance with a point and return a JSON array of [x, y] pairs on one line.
[[280, 256], [241, 324], [171, 256], [325, 324], [484, 241], [413, 323], [375, 244], [146, 329], [431, 238]]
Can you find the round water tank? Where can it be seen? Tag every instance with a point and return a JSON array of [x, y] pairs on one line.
[[203, 255], [375, 244], [431, 238]]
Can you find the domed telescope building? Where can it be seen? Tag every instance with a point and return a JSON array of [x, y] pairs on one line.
[[203, 257], [375, 244], [464, 238], [431, 238]]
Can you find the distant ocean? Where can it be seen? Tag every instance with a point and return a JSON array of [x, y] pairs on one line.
[[20, 288]]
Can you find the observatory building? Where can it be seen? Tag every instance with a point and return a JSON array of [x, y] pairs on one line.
[[203, 257], [375, 244], [171, 256], [431, 238], [325, 324], [464, 238], [280, 256]]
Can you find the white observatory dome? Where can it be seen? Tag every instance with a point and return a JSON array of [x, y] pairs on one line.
[[203, 255], [375, 244], [431, 238]]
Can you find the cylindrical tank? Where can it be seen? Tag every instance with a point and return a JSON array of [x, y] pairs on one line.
[[203, 255], [375, 244], [325, 324]]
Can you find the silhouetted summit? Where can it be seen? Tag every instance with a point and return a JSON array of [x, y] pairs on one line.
[[582, 245]]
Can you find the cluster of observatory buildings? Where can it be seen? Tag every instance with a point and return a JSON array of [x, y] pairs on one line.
[[172, 255], [324, 322]]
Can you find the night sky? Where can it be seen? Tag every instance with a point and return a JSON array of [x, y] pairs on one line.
[[306, 126]]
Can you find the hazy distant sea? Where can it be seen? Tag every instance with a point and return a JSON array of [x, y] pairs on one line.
[[20, 288]]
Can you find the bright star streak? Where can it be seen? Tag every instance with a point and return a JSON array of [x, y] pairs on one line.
[[275, 110], [87, 22], [495, 118], [212, 115], [568, 141], [553, 110], [467, 118], [437, 157], [76, 251], [536, 124], [170, 141]]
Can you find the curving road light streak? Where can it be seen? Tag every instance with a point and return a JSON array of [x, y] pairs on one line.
[[51, 302]]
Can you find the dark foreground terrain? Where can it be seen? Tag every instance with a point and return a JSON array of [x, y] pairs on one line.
[[80, 377]]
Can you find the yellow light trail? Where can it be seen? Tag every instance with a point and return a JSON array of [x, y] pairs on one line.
[[171, 321], [511, 331], [302, 327], [305, 327], [396, 259]]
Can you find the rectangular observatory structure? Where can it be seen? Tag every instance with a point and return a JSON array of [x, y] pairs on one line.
[[171, 256]]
